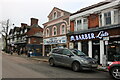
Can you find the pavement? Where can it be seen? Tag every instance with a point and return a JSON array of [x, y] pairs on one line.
[[45, 59]]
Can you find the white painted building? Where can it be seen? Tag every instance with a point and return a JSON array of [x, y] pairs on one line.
[[91, 25]]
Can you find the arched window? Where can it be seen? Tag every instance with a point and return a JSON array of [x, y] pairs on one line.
[[55, 15], [62, 29], [54, 30], [47, 32]]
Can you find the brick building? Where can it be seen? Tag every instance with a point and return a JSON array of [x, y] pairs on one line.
[[55, 30], [92, 26], [25, 37]]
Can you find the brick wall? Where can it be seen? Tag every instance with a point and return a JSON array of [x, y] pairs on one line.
[[93, 21], [72, 26]]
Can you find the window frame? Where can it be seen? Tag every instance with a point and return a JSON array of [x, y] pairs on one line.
[[107, 15], [61, 29], [53, 29], [47, 32]]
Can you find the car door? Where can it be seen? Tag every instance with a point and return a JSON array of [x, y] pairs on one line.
[[58, 56], [67, 60]]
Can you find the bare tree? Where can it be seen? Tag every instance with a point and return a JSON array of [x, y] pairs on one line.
[[4, 32]]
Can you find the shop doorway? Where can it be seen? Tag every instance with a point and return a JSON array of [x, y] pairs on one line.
[[96, 50]]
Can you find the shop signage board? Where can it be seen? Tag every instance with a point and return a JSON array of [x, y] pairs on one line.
[[55, 40], [88, 36]]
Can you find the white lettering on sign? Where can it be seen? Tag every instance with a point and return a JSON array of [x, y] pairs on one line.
[[100, 35], [55, 40]]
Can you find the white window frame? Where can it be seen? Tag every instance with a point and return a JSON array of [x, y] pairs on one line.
[[80, 26], [105, 17], [61, 29], [47, 32], [54, 27], [55, 15]]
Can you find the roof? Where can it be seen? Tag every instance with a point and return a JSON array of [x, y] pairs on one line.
[[91, 7], [58, 9]]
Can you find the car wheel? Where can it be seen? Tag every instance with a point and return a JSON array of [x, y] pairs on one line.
[[75, 66], [51, 62], [115, 72]]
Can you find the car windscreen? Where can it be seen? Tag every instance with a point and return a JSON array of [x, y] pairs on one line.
[[78, 52]]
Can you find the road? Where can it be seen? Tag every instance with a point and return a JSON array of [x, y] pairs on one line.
[[21, 67]]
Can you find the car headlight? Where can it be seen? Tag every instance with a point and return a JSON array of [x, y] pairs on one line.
[[85, 61]]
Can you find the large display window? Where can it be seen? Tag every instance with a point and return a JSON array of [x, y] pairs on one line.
[[114, 50]]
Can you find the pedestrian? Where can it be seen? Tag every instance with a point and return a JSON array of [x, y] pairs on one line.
[[11, 51], [29, 53]]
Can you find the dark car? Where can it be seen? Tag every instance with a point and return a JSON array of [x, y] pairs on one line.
[[114, 69], [72, 58]]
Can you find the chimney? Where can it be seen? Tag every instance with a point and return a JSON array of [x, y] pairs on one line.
[[34, 21], [23, 24]]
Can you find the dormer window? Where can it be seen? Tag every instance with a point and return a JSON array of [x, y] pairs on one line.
[[55, 15]]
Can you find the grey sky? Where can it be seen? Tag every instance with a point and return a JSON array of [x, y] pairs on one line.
[[20, 11]]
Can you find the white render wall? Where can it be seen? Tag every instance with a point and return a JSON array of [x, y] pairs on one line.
[[97, 9], [90, 48], [79, 46], [101, 51]]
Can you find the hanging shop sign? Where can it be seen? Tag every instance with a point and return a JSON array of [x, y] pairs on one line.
[[55, 40], [88, 36]]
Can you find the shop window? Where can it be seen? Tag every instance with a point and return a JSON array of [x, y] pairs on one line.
[[85, 47], [107, 17], [114, 51], [76, 45]]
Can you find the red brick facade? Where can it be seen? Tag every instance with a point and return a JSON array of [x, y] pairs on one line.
[[93, 21]]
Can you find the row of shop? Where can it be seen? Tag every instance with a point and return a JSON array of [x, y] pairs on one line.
[[96, 43]]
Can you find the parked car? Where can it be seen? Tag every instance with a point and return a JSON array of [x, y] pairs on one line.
[[72, 58], [114, 69]]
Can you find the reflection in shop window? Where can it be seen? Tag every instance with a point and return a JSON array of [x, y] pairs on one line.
[[114, 52]]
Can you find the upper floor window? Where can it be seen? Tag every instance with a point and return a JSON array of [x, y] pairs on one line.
[[47, 32], [81, 24], [55, 15], [54, 30], [85, 23], [107, 17], [119, 16], [62, 29]]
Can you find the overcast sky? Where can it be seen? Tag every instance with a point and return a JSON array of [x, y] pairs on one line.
[[20, 11]]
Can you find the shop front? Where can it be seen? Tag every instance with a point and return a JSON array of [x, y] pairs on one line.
[[53, 42], [94, 44]]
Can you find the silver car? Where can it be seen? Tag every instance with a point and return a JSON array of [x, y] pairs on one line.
[[72, 58]]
